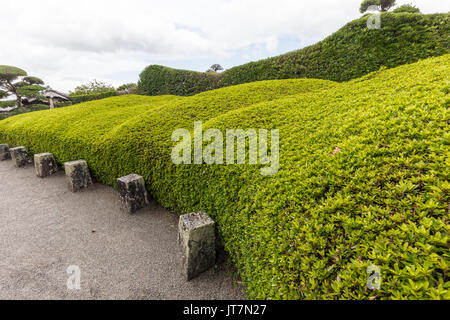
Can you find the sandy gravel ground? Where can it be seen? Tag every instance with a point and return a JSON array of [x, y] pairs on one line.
[[44, 229]]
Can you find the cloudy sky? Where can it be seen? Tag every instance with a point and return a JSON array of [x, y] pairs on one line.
[[70, 42]]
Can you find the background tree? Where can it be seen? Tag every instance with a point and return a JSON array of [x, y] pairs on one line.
[[384, 5], [126, 86], [92, 87], [15, 81], [215, 68]]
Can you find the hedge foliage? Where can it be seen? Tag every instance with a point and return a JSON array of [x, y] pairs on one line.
[[351, 52], [312, 230], [160, 80], [91, 97], [407, 8]]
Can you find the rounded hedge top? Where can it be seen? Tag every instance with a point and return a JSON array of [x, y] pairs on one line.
[[407, 8]]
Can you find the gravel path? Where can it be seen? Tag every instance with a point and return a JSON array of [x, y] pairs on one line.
[[44, 229]]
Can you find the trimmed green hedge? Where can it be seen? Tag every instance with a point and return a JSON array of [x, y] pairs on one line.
[[351, 52], [91, 97], [312, 230], [159, 80]]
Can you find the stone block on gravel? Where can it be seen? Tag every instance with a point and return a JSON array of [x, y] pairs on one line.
[[20, 156], [132, 193], [45, 164], [4, 152], [78, 176], [196, 236]]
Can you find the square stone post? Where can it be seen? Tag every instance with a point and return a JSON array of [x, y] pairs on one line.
[[132, 193], [20, 156], [4, 152], [78, 176], [196, 236], [45, 164]]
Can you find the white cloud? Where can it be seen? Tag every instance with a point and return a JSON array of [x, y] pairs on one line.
[[73, 41]]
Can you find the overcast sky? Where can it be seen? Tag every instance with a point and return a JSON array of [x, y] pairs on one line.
[[70, 42]]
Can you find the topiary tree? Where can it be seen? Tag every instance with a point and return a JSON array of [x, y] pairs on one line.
[[384, 5], [15, 81], [407, 8]]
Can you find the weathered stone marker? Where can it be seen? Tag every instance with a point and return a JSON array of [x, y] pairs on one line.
[[4, 152], [196, 236], [45, 164], [78, 176], [20, 156], [132, 192]]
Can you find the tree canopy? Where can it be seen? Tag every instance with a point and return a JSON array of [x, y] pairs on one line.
[[383, 5], [215, 68], [33, 80], [3, 94], [9, 73]]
